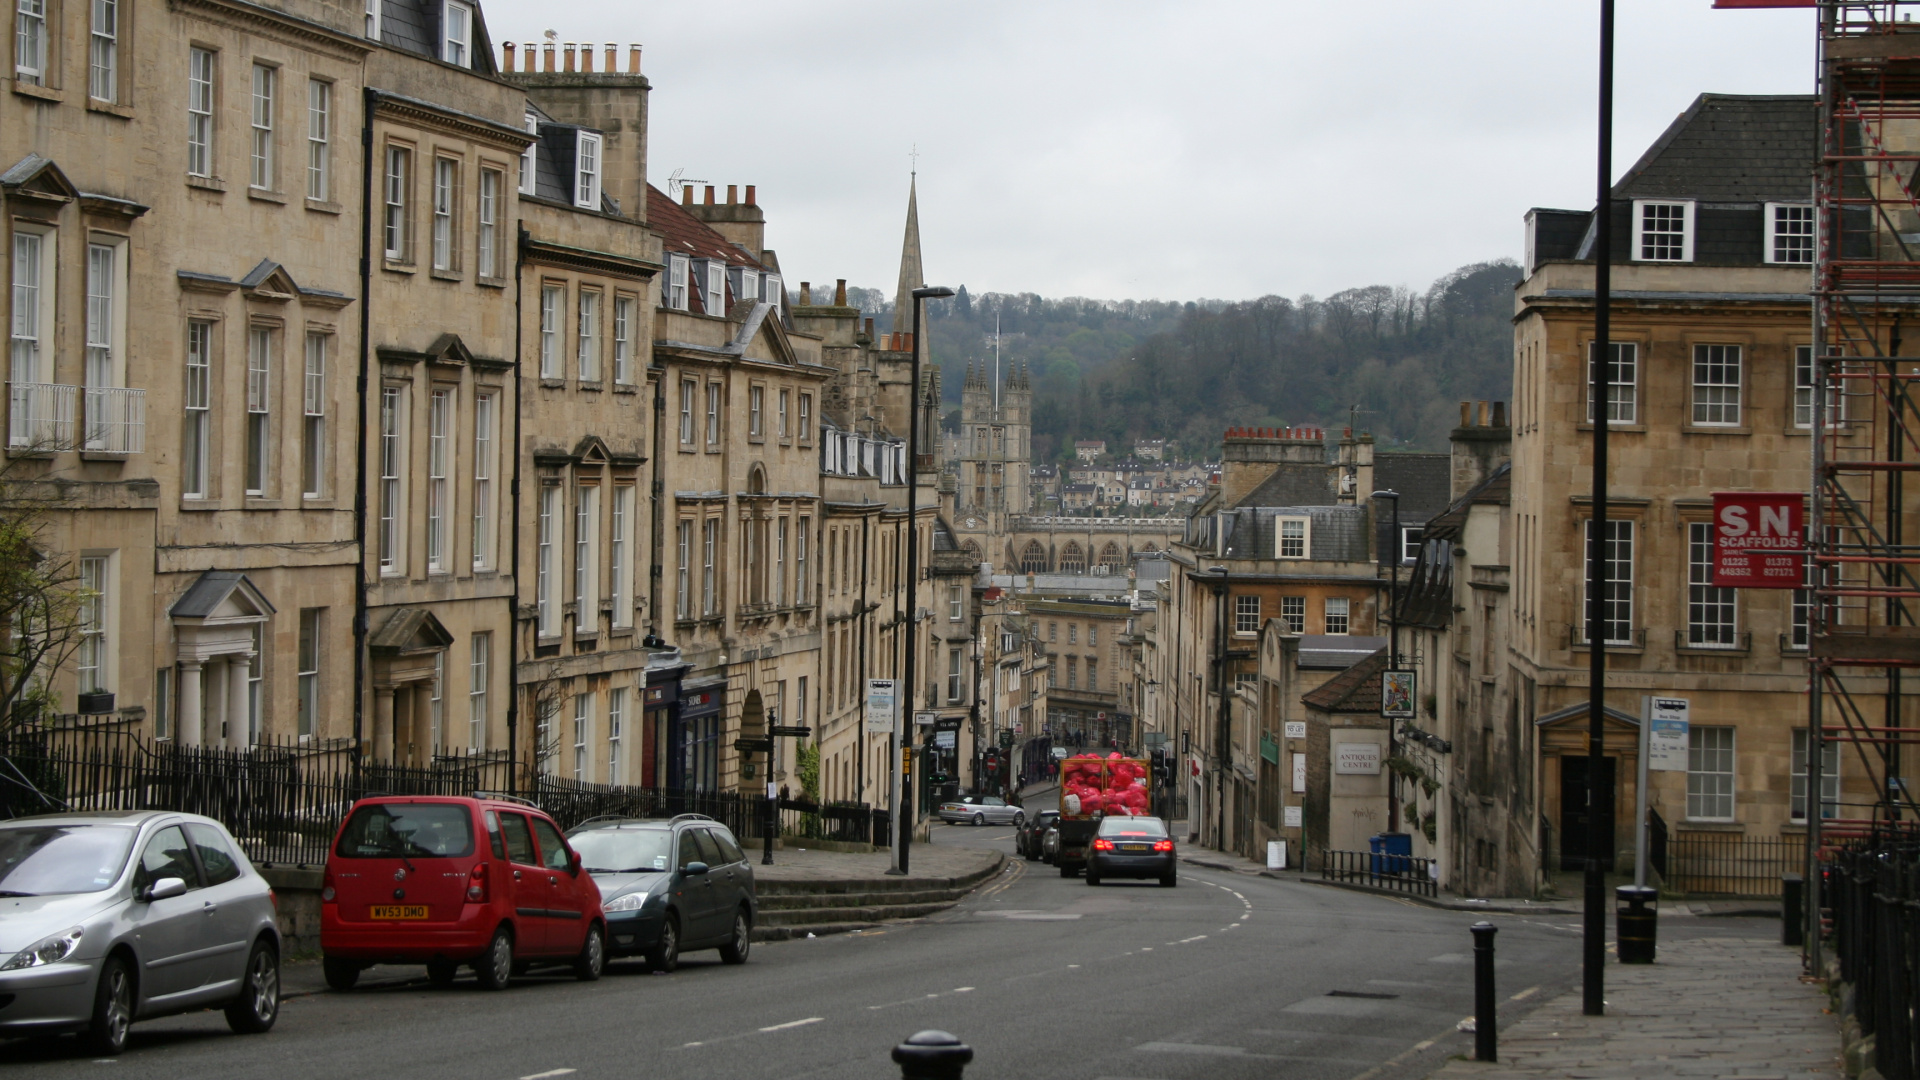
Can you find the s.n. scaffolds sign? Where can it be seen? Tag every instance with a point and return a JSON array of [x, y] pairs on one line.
[[1759, 539]]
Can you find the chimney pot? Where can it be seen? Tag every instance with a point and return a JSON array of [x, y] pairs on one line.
[[506, 55], [733, 191], [709, 194], [526, 58], [1483, 414], [840, 298], [1466, 414], [586, 58], [806, 293], [686, 195], [547, 51], [750, 195], [842, 294], [633, 60], [613, 58], [567, 62], [1499, 414]]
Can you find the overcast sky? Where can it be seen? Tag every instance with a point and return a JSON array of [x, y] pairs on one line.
[[1162, 150]]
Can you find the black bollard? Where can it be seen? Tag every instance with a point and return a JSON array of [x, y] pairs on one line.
[[1486, 1031], [932, 1055], [771, 827], [1793, 909]]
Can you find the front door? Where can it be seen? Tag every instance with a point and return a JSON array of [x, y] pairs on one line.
[[566, 899], [1574, 831], [528, 884]]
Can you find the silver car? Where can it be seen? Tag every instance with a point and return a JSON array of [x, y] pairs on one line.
[[982, 810], [108, 918]]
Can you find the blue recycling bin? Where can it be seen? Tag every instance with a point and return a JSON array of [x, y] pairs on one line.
[[1392, 853]]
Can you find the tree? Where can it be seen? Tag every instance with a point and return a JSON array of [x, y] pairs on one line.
[[43, 607], [549, 696]]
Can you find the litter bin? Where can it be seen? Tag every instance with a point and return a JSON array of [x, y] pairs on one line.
[[1392, 852], [1635, 922], [1793, 909]]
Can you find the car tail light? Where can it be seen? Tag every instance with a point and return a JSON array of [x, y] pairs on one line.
[[275, 897], [326, 888], [1102, 844], [1163, 845], [477, 883]]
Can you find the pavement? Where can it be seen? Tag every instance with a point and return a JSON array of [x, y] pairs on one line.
[[1721, 1007]]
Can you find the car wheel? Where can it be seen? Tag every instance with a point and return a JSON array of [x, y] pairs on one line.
[[665, 955], [258, 1006], [495, 966], [979, 819], [593, 955], [1019, 820], [341, 974], [1092, 878], [106, 1034], [1169, 880], [442, 972], [1066, 871], [735, 950]]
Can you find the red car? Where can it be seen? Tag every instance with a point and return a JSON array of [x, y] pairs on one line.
[[444, 881]]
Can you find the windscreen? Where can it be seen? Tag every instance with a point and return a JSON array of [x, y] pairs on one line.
[[49, 860], [1137, 826], [407, 831], [623, 851]]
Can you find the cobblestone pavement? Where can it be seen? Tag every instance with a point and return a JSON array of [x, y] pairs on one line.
[[923, 861], [1730, 1008]]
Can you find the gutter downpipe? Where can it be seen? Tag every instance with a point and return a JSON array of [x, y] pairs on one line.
[[513, 541], [369, 98]]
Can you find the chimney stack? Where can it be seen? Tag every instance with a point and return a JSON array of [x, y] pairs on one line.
[[840, 298], [1479, 449], [806, 293]]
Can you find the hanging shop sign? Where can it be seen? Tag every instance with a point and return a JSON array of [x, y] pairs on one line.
[[1396, 694]]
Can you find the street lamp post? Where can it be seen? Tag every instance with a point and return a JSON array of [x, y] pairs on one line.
[[1393, 643], [903, 813]]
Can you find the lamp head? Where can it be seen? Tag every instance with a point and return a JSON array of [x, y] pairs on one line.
[[932, 292], [1386, 493]]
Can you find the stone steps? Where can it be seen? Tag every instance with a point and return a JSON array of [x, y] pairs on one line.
[[795, 907]]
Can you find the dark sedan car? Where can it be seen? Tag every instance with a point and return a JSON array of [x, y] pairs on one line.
[[670, 887], [1137, 847], [1027, 838]]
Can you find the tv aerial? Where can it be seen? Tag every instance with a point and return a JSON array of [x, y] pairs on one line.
[[678, 181]]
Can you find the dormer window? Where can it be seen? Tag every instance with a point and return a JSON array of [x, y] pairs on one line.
[[746, 284], [530, 158], [1662, 231], [586, 171], [456, 23], [373, 20], [714, 299], [774, 291], [1291, 537], [1790, 234], [677, 282]]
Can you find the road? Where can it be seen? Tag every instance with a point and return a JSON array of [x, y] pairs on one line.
[[1226, 976]]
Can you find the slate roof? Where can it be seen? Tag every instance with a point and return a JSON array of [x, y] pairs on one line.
[[1295, 484], [1336, 651], [1336, 533], [1732, 153], [1427, 598], [1355, 690], [414, 26], [683, 234], [1423, 481], [209, 590]]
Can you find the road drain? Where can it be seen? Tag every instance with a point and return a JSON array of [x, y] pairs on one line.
[[1361, 994]]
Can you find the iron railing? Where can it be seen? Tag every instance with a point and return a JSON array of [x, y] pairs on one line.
[[1715, 865], [40, 416], [1397, 873], [283, 801], [116, 421], [1873, 898]]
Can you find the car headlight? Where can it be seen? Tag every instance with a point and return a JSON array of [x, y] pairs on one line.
[[48, 950], [632, 901]]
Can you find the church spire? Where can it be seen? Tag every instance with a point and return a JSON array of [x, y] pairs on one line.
[[911, 276]]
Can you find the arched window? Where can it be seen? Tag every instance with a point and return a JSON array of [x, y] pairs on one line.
[[1072, 559], [756, 481], [1033, 560], [1110, 556], [1151, 549], [973, 552]]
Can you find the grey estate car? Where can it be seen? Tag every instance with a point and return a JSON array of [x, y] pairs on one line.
[[111, 917]]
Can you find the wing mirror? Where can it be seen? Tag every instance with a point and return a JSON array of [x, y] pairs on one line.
[[694, 869], [573, 863], [164, 889]]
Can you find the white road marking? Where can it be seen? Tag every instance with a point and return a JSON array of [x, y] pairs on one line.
[[797, 1023], [1201, 1048], [962, 989], [1196, 937], [1073, 965], [687, 1046], [1524, 994], [1146, 948], [548, 1073]]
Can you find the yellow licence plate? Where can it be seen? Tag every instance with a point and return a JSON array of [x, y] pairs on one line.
[[1135, 847], [398, 911]]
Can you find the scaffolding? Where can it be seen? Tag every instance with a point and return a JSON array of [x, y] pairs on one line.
[[1857, 391]]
